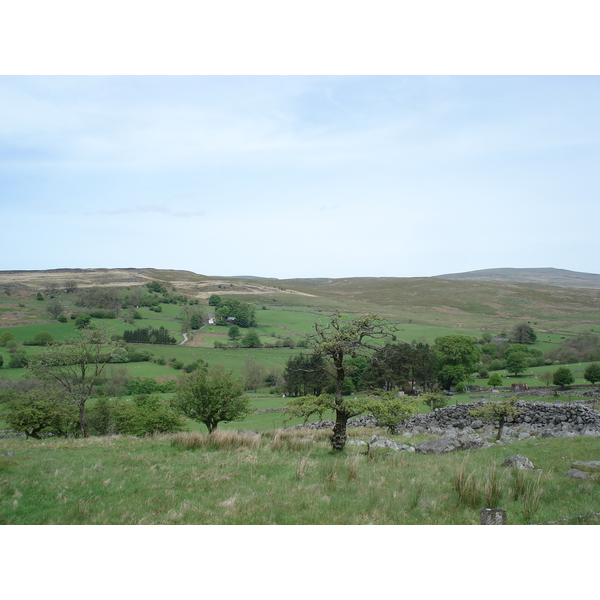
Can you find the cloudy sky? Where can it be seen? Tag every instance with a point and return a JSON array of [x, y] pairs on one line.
[[300, 176]]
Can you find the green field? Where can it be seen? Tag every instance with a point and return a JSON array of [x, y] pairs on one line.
[[284, 480]]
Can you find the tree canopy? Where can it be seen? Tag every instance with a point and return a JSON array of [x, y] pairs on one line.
[[212, 398], [457, 357]]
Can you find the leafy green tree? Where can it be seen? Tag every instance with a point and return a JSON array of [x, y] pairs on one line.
[[254, 374], [234, 333], [389, 367], [214, 300], [83, 321], [498, 411], [18, 359], [75, 366], [563, 377], [338, 340], [41, 410], [146, 415], [523, 334], [495, 380], [434, 399], [195, 322], [43, 338], [457, 357], [305, 407], [305, 375], [211, 398], [516, 363], [390, 409], [251, 340], [592, 373], [6, 337]]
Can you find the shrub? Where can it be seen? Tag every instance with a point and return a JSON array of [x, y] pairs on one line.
[[563, 377], [146, 415], [42, 411]]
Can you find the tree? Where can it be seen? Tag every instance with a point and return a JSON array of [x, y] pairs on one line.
[[495, 380], [563, 377], [516, 363], [497, 411], [456, 357], [234, 333], [254, 374], [305, 375], [75, 366], [547, 377], [389, 367], [592, 373], [70, 287], [195, 322], [83, 321], [6, 337], [304, 407], [41, 410], [212, 398], [42, 338], [390, 409], [54, 308], [434, 399], [341, 339], [146, 415], [523, 334], [214, 300], [251, 340]]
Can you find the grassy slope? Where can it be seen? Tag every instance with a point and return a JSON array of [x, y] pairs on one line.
[[284, 481]]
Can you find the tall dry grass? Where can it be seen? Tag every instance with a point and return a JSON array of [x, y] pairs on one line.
[[217, 440]]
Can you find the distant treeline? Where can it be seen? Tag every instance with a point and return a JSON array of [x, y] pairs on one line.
[[148, 335]]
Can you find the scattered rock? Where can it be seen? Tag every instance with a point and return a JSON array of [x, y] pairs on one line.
[[518, 461], [577, 474], [377, 442], [590, 466]]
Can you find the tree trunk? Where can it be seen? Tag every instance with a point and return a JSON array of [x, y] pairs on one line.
[[500, 427], [82, 422], [338, 437]]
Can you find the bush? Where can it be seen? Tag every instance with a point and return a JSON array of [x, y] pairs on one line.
[[147, 385], [41, 411], [146, 415], [563, 377]]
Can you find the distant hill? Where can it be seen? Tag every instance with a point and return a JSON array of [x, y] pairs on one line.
[[544, 276]]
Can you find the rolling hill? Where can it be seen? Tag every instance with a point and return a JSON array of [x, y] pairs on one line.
[[544, 276]]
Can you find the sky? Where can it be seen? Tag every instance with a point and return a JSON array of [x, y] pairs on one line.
[[300, 176]]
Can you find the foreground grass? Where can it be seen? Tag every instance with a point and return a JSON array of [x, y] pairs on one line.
[[282, 478]]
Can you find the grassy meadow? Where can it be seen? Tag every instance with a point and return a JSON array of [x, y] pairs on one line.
[[285, 479]]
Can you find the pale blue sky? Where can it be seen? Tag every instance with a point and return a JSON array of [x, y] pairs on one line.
[[295, 176]]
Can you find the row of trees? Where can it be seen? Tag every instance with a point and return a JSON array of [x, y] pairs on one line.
[[148, 335]]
